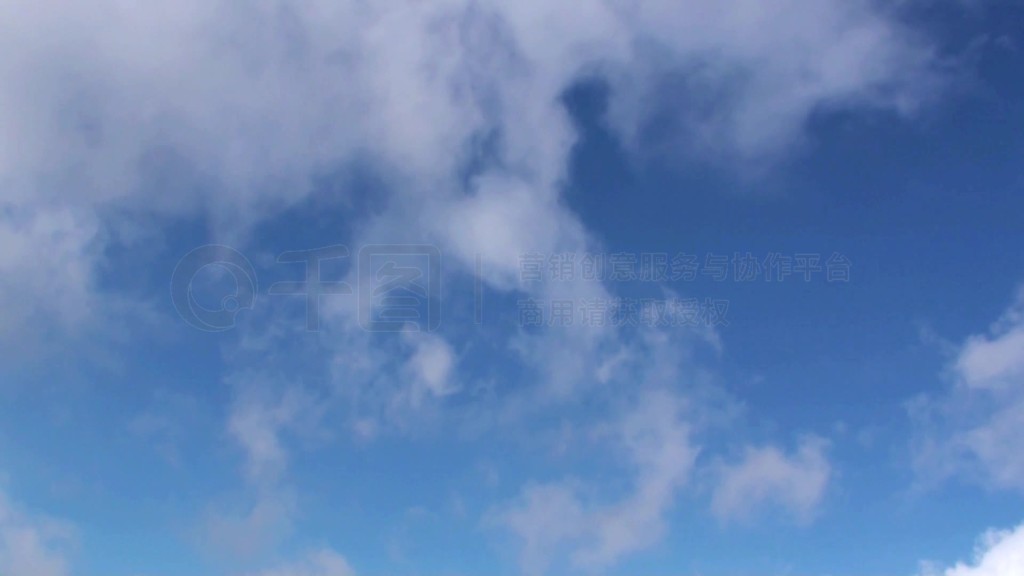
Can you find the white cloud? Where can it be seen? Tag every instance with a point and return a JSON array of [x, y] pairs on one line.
[[259, 419], [549, 519], [998, 553], [995, 360], [30, 545], [503, 220], [226, 110], [431, 364], [974, 429], [46, 274], [544, 519], [753, 71], [248, 533], [120, 109], [767, 476], [653, 397], [658, 444]]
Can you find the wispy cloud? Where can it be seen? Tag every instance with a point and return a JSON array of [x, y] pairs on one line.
[[973, 428], [556, 520], [31, 544], [767, 476]]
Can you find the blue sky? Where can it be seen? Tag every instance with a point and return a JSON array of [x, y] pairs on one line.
[[467, 395]]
